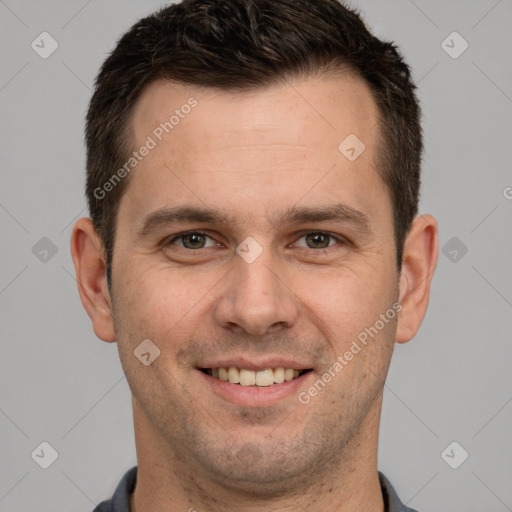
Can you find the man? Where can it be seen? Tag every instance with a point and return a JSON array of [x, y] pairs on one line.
[[253, 173]]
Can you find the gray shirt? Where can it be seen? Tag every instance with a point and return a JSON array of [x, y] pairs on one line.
[[120, 501]]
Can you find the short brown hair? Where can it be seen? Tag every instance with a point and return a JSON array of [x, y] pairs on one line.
[[238, 45]]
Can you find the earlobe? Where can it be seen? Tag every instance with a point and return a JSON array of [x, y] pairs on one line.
[[89, 262], [418, 265]]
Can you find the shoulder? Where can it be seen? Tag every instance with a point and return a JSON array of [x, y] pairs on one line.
[[120, 501], [392, 502]]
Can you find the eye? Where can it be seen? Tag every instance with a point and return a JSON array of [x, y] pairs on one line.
[[194, 240], [319, 240], [191, 240]]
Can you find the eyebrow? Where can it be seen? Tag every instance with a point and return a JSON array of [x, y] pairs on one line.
[[339, 212]]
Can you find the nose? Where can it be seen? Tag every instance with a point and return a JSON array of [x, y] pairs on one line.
[[256, 297]]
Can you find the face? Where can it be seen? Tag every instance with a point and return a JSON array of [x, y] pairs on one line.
[[288, 257]]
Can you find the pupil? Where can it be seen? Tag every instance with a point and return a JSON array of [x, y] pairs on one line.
[[196, 239], [316, 237]]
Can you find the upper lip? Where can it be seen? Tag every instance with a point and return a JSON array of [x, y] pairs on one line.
[[255, 363]]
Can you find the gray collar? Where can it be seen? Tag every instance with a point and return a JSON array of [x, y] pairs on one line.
[[120, 501]]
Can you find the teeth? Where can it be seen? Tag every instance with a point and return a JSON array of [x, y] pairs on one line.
[[264, 378], [247, 377], [261, 378], [233, 375], [279, 375]]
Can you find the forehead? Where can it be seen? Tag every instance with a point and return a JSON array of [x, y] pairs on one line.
[[301, 111], [277, 142]]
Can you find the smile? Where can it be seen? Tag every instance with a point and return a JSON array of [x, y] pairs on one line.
[[258, 378]]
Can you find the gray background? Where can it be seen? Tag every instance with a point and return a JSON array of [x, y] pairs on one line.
[[60, 384]]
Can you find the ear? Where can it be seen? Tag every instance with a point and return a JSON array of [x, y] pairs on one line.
[[418, 265], [89, 261]]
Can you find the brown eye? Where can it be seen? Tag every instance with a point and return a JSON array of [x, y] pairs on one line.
[[318, 240], [191, 240]]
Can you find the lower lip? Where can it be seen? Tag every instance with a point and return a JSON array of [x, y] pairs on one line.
[[255, 396]]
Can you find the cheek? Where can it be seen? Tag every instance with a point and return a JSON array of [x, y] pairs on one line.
[[156, 303], [161, 302], [346, 305], [347, 293]]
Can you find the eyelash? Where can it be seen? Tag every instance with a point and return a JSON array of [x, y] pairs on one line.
[[170, 241]]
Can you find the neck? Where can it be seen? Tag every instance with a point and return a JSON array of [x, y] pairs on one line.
[[348, 482]]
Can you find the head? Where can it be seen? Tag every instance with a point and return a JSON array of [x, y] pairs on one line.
[[265, 43], [297, 133]]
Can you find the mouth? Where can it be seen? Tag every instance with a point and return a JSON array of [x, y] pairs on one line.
[[255, 378], [254, 383]]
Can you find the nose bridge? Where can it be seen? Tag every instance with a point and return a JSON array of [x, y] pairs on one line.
[[255, 296]]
